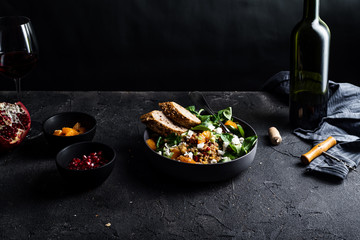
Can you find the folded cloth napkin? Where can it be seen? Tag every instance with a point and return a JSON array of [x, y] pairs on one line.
[[342, 122]]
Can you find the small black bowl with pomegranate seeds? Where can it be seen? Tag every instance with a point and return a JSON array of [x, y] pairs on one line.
[[86, 164]]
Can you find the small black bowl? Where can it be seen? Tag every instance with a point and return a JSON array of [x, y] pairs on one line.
[[90, 177], [203, 172], [68, 119]]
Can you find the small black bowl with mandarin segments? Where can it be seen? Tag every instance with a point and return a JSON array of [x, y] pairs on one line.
[[68, 119], [86, 174], [203, 172]]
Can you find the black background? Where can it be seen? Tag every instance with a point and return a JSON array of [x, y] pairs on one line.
[[175, 44]]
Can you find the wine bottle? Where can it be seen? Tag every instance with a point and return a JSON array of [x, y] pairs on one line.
[[310, 46]]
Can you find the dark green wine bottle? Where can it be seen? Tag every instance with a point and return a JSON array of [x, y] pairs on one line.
[[310, 46]]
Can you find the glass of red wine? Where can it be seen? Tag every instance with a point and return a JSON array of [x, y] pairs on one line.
[[18, 55], [18, 49]]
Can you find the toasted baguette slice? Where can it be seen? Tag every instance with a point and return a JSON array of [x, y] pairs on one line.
[[159, 123], [179, 114]]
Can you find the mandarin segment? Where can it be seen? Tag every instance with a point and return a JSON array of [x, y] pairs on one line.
[[68, 131]]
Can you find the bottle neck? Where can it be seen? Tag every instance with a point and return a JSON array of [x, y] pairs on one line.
[[311, 9]]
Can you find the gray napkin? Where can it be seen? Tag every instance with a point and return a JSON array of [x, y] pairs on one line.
[[342, 122]]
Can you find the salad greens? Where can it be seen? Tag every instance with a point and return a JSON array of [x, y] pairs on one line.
[[231, 145], [171, 139], [227, 138]]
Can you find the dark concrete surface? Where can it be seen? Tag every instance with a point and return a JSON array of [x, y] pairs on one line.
[[273, 199]]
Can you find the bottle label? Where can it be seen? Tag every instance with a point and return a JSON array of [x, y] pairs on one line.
[[308, 81]]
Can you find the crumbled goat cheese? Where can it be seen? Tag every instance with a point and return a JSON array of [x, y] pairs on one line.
[[189, 134], [189, 154], [167, 152], [235, 140], [211, 127], [200, 145], [219, 130]]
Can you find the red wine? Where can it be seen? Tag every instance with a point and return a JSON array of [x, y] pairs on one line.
[[17, 64]]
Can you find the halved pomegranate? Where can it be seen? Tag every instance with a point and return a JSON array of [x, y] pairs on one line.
[[15, 123]]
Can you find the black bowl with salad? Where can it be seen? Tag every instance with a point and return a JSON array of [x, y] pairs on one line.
[[199, 148]]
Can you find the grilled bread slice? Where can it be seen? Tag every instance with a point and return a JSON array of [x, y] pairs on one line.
[[159, 123], [179, 114]]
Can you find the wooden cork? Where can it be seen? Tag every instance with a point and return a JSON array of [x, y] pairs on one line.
[[274, 135]]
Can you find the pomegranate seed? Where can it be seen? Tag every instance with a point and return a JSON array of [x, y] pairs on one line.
[[91, 161]]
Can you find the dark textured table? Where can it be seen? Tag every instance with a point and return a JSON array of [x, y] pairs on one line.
[[273, 199]]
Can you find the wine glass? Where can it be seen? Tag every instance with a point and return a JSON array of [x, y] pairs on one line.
[[18, 49], [18, 55]]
